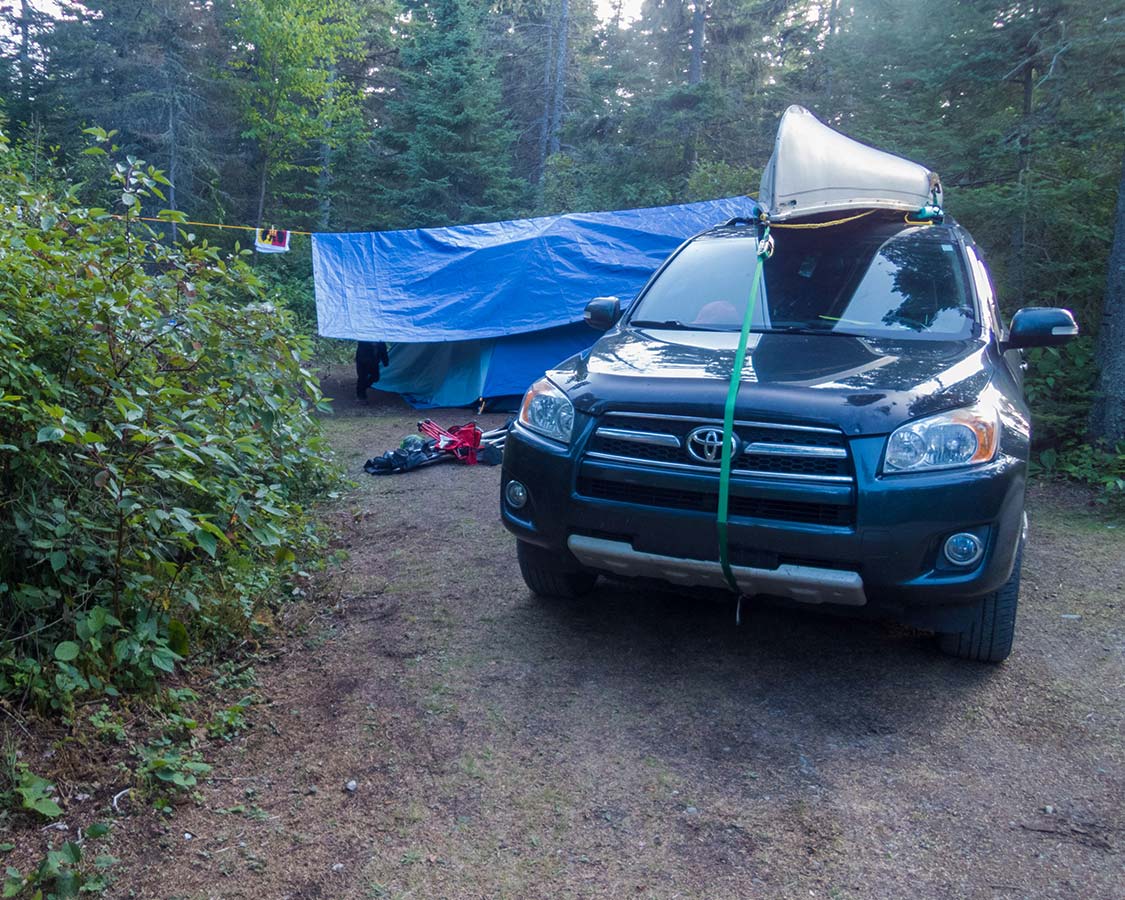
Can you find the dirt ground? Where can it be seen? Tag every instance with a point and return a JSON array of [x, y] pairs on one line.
[[641, 745]]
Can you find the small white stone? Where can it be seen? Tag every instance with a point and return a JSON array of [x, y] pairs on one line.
[[338, 867], [351, 787]]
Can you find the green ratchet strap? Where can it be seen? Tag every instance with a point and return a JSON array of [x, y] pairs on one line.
[[765, 248]]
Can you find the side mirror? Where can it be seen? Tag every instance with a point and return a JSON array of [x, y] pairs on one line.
[[1041, 326], [602, 313]]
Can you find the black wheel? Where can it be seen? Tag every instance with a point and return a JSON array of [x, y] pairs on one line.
[[549, 575], [994, 625]]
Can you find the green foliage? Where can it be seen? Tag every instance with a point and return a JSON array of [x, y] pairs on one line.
[[157, 442], [107, 725], [1060, 389], [450, 139], [284, 78], [229, 721], [65, 872], [37, 795], [24, 791], [710, 179], [167, 768]]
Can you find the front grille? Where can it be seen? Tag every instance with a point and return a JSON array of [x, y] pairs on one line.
[[794, 465], [752, 507], [637, 451], [770, 449]]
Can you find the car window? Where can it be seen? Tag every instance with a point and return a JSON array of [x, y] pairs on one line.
[[706, 284], [879, 281], [986, 294]]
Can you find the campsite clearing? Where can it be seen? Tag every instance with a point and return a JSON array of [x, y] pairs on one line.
[[639, 744]]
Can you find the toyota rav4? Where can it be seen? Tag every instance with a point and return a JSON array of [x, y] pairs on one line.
[[880, 438]]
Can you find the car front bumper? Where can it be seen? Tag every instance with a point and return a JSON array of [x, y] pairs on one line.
[[889, 557]]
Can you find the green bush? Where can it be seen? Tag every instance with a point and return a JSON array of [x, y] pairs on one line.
[[1060, 389], [294, 291], [157, 442]]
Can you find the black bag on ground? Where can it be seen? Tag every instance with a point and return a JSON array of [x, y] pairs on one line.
[[413, 454]]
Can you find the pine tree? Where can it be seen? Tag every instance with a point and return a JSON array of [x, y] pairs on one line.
[[143, 69], [450, 138]]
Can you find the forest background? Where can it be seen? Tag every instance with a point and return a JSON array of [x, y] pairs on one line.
[[342, 115]]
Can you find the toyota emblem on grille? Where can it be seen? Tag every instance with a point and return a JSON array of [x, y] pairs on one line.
[[706, 444]]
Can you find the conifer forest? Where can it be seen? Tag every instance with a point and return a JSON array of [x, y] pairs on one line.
[[345, 115], [372, 114]]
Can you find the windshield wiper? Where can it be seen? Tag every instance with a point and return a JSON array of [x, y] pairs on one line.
[[804, 329], [670, 325], [651, 323]]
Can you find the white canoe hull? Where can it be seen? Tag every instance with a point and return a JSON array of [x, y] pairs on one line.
[[815, 169]]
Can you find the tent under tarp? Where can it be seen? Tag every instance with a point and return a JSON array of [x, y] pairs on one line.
[[482, 310], [815, 169]]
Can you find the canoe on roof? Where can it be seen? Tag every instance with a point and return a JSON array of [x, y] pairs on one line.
[[815, 169]]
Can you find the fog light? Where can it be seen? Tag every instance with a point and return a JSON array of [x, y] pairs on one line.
[[963, 549], [516, 494]]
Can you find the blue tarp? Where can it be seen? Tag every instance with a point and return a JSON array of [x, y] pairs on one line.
[[481, 310]]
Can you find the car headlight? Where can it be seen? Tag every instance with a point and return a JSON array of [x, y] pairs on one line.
[[547, 410], [961, 437]]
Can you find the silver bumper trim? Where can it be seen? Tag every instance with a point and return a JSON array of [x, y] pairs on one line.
[[805, 584]]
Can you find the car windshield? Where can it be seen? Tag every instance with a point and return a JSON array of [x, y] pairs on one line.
[[879, 280]]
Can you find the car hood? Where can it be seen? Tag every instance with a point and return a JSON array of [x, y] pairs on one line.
[[862, 385]]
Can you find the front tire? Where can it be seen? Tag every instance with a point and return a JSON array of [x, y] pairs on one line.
[[989, 638], [548, 574]]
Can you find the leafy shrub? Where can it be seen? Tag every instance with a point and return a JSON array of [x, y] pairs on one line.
[[166, 767], [65, 872], [23, 790], [157, 442], [1060, 389], [294, 291]]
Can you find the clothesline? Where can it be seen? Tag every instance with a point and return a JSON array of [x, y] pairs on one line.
[[208, 224]]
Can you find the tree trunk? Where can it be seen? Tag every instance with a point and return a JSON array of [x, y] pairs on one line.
[[261, 201], [1019, 232], [698, 28], [173, 160], [324, 175], [545, 120], [829, 45], [1107, 418], [324, 186], [25, 51], [560, 78], [695, 77]]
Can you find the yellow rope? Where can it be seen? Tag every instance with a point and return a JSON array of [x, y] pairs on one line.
[[204, 224], [772, 224], [821, 224]]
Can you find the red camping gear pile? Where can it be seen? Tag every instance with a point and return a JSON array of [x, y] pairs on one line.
[[464, 443]]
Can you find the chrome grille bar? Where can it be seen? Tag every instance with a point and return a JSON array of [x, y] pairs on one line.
[[761, 448], [714, 470], [778, 426], [653, 438]]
